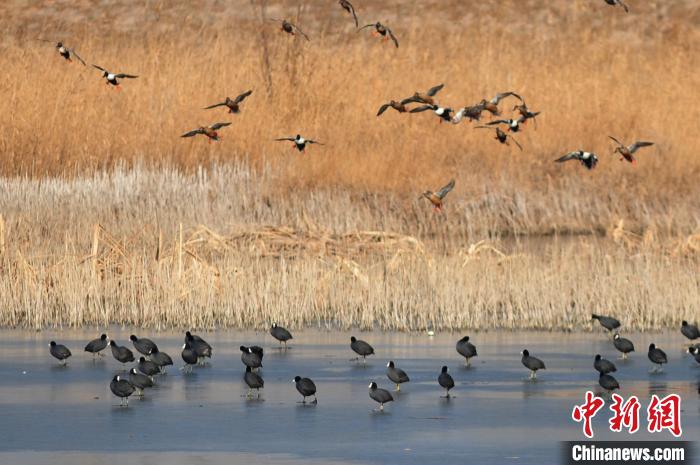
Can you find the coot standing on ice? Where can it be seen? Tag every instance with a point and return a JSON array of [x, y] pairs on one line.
[[122, 388], [97, 345], [396, 375], [254, 381], [142, 345], [607, 322], [657, 357], [603, 366], [361, 348], [189, 356], [623, 345], [140, 381], [60, 352], [120, 353], [379, 395], [532, 363], [466, 349], [608, 382], [251, 357], [446, 382], [306, 388], [690, 331], [161, 359], [281, 334]]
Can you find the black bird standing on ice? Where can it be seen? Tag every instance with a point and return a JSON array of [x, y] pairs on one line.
[[122, 388], [379, 395], [657, 357], [97, 345], [142, 345], [120, 353], [532, 363], [253, 381], [281, 334], [396, 375], [306, 388], [603, 366], [59, 351], [623, 345], [445, 381], [361, 348], [607, 322], [466, 349]]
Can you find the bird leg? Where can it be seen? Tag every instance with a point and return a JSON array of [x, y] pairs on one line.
[[398, 387], [315, 401], [381, 407]]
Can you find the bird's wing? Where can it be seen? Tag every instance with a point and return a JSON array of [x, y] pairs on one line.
[[100, 68], [301, 32], [242, 97], [446, 189], [412, 99], [627, 10], [46, 40], [434, 90], [75, 54], [383, 108], [352, 10], [215, 105], [216, 126], [498, 121], [503, 95], [482, 127], [422, 108], [309, 141], [516, 143], [286, 138], [193, 132], [122, 76], [569, 156], [640, 143], [457, 118], [365, 26], [393, 37], [617, 141]]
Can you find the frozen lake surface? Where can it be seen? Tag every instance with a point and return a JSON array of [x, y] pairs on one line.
[[67, 415]]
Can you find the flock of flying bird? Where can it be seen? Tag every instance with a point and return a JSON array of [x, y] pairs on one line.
[[504, 128], [196, 351]]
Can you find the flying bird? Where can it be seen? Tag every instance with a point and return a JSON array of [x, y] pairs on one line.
[[445, 114], [472, 113], [427, 98], [381, 30], [300, 143], [618, 2], [65, 52], [398, 106], [436, 198], [492, 105], [290, 28], [501, 136], [525, 112], [112, 78], [588, 159], [233, 105], [627, 152], [513, 124], [210, 131], [347, 6]]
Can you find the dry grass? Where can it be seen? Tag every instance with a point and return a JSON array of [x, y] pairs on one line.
[[151, 262], [337, 235]]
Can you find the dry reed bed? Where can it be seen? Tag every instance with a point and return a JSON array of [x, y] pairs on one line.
[[165, 249]]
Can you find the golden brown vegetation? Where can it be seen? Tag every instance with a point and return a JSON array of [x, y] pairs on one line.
[[337, 235]]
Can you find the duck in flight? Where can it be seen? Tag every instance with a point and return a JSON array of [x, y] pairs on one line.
[[627, 151], [113, 78], [587, 159], [300, 143], [210, 131], [513, 124], [398, 106], [233, 105], [472, 113], [65, 52], [427, 98], [445, 114], [290, 28], [501, 136], [436, 198], [492, 105], [382, 30]]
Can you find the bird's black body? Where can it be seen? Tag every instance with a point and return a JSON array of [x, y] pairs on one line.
[[251, 357], [306, 388], [445, 381], [253, 381], [189, 356], [281, 334], [603, 366], [97, 345], [161, 359], [379, 395], [142, 345], [199, 345], [608, 382], [148, 367], [466, 349], [139, 380], [361, 348], [657, 356], [690, 331], [120, 353], [623, 345], [606, 322], [59, 351], [122, 388], [396, 375], [532, 363]]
